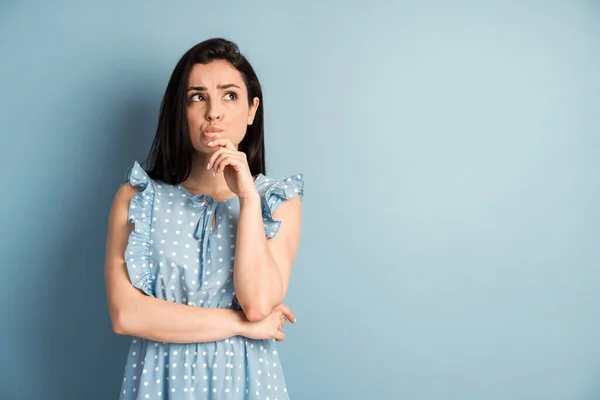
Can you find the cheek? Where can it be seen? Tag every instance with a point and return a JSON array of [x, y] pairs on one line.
[[240, 121], [194, 126], [192, 117], [241, 115]]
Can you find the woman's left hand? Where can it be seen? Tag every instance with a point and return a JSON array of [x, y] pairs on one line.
[[234, 166]]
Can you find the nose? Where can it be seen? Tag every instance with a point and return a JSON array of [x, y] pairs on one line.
[[214, 111]]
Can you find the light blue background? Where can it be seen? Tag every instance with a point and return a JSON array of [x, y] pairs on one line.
[[451, 154]]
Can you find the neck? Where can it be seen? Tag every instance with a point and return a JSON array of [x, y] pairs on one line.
[[202, 181]]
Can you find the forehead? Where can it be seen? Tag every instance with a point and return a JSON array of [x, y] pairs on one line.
[[218, 72]]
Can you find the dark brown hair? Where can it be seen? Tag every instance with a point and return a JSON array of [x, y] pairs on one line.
[[170, 157]]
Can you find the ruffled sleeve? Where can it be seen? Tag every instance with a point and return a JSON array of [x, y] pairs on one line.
[[273, 193], [137, 254]]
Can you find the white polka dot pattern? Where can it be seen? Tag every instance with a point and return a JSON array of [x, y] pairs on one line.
[[175, 254], [273, 194]]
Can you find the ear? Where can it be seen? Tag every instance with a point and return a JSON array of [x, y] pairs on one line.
[[252, 110]]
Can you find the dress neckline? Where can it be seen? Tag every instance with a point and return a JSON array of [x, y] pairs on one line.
[[201, 197]]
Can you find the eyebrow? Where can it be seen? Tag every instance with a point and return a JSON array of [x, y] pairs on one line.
[[227, 86]]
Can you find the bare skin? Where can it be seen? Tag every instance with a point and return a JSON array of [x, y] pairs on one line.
[[137, 314], [218, 113]]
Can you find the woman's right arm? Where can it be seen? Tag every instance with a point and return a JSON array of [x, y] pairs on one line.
[[134, 313]]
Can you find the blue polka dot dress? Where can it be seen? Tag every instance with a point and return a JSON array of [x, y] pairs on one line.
[[174, 254]]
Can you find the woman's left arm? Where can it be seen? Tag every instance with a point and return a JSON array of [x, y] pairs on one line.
[[262, 266]]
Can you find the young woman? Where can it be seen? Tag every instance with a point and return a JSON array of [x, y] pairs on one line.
[[198, 260]]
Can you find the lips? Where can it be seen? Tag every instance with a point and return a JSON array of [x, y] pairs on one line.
[[209, 135], [213, 129], [211, 132]]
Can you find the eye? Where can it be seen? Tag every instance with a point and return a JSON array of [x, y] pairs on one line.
[[196, 97], [234, 94]]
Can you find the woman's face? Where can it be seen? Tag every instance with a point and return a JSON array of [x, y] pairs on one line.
[[217, 98]]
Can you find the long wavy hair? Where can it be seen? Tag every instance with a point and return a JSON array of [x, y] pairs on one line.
[[170, 157]]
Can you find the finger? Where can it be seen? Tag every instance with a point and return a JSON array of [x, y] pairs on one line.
[[215, 156], [223, 142], [280, 336], [287, 312], [226, 159]]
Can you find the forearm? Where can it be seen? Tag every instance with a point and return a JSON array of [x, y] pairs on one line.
[[165, 321], [257, 280]]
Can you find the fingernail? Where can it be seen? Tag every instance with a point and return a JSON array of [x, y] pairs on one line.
[[213, 174], [208, 166], [209, 143]]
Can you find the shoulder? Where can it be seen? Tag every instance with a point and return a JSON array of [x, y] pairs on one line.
[[125, 193], [122, 201], [289, 209], [280, 189], [137, 180], [281, 201]]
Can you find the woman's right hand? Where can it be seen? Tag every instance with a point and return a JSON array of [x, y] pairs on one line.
[[270, 327]]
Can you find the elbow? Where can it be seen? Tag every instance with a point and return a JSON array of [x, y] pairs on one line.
[[120, 324], [119, 329], [256, 314], [259, 309]]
